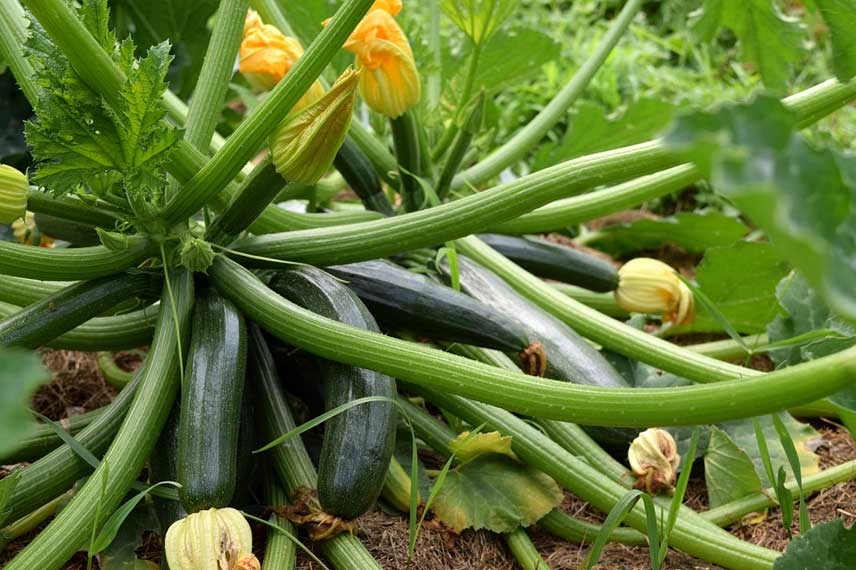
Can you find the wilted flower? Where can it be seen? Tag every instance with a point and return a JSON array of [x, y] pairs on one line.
[[26, 232], [650, 286], [216, 539], [304, 145], [13, 194], [654, 459], [389, 83], [266, 55]]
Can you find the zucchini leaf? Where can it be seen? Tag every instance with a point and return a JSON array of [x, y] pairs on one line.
[[801, 196], [21, 372], [729, 473], [495, 492], [840, 17], [829, 545], [768, 39], [78, 139]]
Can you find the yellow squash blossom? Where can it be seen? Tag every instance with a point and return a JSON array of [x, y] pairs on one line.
[[26, 232], [389, 82], [650, 286], [13, 194], [266, 55], [391, 6], [216, 539], [304, 146]]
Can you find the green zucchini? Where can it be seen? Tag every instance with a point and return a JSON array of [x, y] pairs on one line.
[[359, 442], [74, 233], [553, 261], [571, 357], [211, 404], [64, 310], [399, 298], [360, 175]]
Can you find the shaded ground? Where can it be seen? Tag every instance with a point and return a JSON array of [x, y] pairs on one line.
[[78, 387]]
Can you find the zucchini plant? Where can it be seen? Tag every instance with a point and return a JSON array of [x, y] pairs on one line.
[[363, 218]]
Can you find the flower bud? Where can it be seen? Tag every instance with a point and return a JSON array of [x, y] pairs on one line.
[[304, 145], [650, 286], [389, 82], [654, 460], [216, 539], [266, 55], [26, 232], [13, 194]]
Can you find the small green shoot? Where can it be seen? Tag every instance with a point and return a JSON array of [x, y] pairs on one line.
[[621, 509], [794, 460], [678, 497]]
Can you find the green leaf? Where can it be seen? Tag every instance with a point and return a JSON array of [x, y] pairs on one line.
[[496, 493], [767, 38], [21, 372], [840, 17], [829, 545], [121, 554], [78, 139], [694, 232], [803, 435], [741, 281], [183, 22], [729, 473], [800, 196], [805, 312], [479, 19], [511, 58], [593, 131]]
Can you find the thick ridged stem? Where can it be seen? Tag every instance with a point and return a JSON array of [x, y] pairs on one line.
[[414, 363], [22, 291], [43, 439], [69, 208], [13, 33], [602, 302], [121, 332], [215, 73], [381, 238], [280, 551], [524, 550], [121, 465], [291, 462], [70, 264]]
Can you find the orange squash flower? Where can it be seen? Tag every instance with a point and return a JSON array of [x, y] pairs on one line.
[[389, 82], [266, 55]]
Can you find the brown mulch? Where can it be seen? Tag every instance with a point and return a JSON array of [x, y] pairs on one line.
[[78, 387]]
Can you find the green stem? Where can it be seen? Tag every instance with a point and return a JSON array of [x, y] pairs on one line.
[[381, 238], [451, 132], [586, 207], [524, 550], [70, 264], [602, 302], [414, 363], [460, 147], [24, 525], [274, 219], [111, 371], [253, 131], [69, 208], [43, 439], [728, 349], [526, 138], [280, 551], [22, 291], [122, 463], [122, 332], [405, 134], [13, 33], [215, 73], [691, 534]]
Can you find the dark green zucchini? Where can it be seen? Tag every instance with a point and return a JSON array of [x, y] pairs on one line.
[[399, 298], [571, 357], [359, 442], [74, 233], [64, 310], [359, 173], [554, 261], [211, 404]]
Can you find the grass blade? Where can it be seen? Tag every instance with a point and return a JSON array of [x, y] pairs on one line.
[[69, 439], [794, 460], [616, 515], [114, 523], [678, 497]]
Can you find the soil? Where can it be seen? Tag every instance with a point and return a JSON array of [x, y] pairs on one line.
[[78, 387]]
